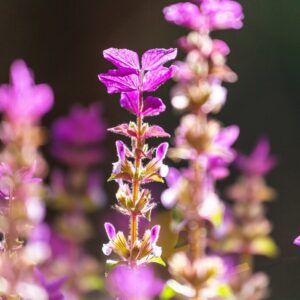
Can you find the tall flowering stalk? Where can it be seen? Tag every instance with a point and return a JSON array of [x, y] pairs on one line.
[[202, 142], [76, 194], [247, 232], [22, 248], [139, 164]]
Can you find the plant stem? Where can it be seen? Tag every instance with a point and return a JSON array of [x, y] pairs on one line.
[[136, 181], [197, 231]]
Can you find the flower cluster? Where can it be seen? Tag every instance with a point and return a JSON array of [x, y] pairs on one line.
[[140, 164], [206, 15], [24, 101], [22, 211], [201, 140], [76, 138], [122, 283], [201, 74], [249, 194], [75, 194], [211, 245], [247, 231]]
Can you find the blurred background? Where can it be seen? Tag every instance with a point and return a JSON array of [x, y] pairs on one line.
[[62, 41]]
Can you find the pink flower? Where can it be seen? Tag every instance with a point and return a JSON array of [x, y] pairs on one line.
[[132, 78], [259, 162], [207, 15], [52, 287], [76, 138], [152, 105], [297, 241], [134, 283], [23, 101]]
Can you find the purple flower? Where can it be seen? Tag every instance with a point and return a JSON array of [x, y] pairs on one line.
[[152, 106], [297, 241], [76, 137], [121, 150], [223, 14], [52, 287], [208, 15], [110, 230], [259, 162], [134, 283], [132, 78], [61, 247], [23, 101], [111, 234], [161, 151], [154, 234], [185, 14], [223, 153]]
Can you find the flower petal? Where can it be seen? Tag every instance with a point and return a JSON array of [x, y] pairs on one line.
[[297, 241], [155, 78], [228, 135], [130, 101], [169, 197], [161, 151], [154, 58], [164, 170], [123, 129], [121, 149], [173, 177], [153, 106], [224, 14], [110, 230], [154, 234], [183, 14], [117, 82], [106, 249], [122, 58], [155, 131], [21, 76]]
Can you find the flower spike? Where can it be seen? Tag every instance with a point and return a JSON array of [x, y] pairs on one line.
[[140, 164]]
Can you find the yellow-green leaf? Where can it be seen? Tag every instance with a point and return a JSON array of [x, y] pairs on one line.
[[158, 260], [167, 293]]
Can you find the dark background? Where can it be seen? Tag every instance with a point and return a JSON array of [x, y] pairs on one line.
[[62, 42]]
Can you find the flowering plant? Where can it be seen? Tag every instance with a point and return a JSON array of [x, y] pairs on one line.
[[203, 142], [22, 211], [76, 193], [140, 164]]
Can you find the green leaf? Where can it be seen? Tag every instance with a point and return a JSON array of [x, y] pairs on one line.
[[167, 293], [157, 260]]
